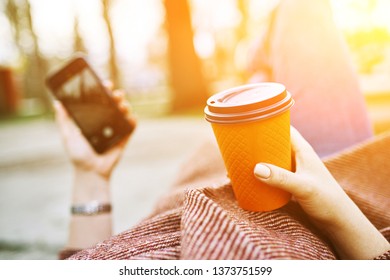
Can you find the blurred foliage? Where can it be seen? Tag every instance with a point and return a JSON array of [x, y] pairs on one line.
[[165, 55], [369, 47], [173, 70]]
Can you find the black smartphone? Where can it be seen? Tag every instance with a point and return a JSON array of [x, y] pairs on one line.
[[90, 104]]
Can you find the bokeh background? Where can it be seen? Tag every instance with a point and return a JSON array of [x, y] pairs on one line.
[[169, 56]]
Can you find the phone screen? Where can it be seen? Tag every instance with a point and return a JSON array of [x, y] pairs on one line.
[[88, 102]]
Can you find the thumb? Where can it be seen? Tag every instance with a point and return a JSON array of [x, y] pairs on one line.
[[279, 177]]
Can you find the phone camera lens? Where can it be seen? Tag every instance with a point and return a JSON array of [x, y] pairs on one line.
[[108, 131]]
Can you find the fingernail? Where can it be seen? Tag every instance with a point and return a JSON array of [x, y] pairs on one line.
[[262, 171], [56, 103]]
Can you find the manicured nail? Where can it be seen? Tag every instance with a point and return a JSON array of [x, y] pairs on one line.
[[262, 171]]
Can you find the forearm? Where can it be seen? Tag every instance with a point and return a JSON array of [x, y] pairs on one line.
[[87, 230], [355, 237]]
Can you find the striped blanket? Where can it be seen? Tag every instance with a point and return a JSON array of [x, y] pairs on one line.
[[200, 219]]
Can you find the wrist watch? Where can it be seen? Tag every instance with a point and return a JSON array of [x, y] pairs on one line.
[[91, 208]]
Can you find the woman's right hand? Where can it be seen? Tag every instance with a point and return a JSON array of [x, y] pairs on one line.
[[312, 185], [326, 203]]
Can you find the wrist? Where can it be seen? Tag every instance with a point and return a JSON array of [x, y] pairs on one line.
[[96, 166], [90, 186]]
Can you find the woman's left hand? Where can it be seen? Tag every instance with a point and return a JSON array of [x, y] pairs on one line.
[[82, 155]]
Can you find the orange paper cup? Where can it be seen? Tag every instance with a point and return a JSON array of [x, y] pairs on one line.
[[252, 124]]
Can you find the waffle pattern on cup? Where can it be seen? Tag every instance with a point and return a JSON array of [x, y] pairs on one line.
[[242, 149]]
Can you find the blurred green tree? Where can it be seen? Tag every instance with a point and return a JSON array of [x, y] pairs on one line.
[[369, 47]]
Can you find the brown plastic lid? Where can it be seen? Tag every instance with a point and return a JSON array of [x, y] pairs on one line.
[[248, 103]]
